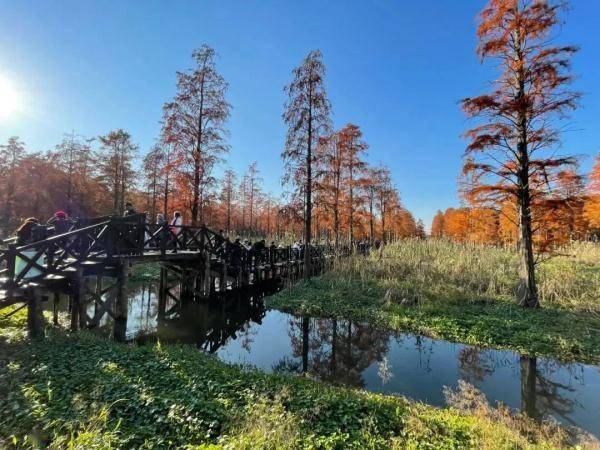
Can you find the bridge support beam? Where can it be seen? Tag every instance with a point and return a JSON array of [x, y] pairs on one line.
[[77, 300], [223, 278], [35, 317], [81, 287], [207, 281], [55, 308], [162, 294], [120, 325]]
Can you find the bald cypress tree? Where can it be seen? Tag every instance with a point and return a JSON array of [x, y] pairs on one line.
[[512, 151], [306, 115], [194, 123]]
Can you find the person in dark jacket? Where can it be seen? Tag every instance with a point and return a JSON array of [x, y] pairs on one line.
[[29, 232], [61, 222], [25, 233], [236, 252], [129, 210]]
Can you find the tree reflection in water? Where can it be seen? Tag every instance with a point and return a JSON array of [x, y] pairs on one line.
[[542, 394], [211, 324], [336, 351], [354, 354]]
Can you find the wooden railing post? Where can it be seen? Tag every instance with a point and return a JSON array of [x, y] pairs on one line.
[[110, 240], [11, 262], [207, 282], [164, 233]]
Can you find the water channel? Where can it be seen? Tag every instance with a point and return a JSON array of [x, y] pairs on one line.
[[242, 330]]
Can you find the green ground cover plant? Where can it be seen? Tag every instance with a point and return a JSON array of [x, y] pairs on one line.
[[81, 391]]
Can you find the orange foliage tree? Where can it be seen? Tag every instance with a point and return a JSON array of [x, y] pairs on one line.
[[591, 208], [505, 150], [194, 122]]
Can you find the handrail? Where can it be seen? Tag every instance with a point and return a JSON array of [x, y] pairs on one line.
[[128, 236], [60, 237]]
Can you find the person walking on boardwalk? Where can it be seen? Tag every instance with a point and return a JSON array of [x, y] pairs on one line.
[[175, 227], [61, 222], [236, 253], [29, 232], [25, 233], [129, 210]]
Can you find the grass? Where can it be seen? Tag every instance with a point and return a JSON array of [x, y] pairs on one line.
[[145, 272], [464, 293], [83, 392]]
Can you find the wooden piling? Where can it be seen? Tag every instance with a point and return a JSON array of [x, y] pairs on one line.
[[120, 325], [55, 308], [207, 274], [81, 291], [98, 291], [77, 301], [162, 294], [35, 317], [74, 309], [223, 278]]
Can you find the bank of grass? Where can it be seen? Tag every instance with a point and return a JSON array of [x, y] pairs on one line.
[[464, 293], [84, 392], [146, 272]]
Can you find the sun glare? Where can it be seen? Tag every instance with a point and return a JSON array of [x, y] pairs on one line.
[[9, 98]]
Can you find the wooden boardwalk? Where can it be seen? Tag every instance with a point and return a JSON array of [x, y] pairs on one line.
[[90, 264]]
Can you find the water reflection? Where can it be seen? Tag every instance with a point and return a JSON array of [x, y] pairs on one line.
[[335, 351], [240, 330]]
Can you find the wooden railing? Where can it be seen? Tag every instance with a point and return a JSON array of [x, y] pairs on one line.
[[104, 240]]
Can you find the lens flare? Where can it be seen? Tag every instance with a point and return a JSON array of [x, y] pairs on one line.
[[10, 102]]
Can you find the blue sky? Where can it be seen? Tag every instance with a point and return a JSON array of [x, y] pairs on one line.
[[397, 69]]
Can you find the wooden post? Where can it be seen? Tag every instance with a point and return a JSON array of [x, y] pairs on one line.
[[11, 261], [207, 273], [162, 294], [98, 292], [223, 278], [188, 285], [55, 308], [120, 325], [74, 310], [238, 277], [76, 301], [35, 317], [80, 288]]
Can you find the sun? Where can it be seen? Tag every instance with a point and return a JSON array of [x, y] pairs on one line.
[[10, 102]]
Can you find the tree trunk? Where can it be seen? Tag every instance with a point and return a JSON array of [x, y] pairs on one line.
[[351, 219], [371, 222], [305, 336], [228, 227], [528, 368], [527, 289], [197, 158], [166, 199], [196, 188], [308, 218]]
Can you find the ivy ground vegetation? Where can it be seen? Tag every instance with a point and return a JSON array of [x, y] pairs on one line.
[[464, 293], [81, 391]]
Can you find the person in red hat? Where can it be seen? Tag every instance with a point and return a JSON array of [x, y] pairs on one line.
[[61, 222]]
